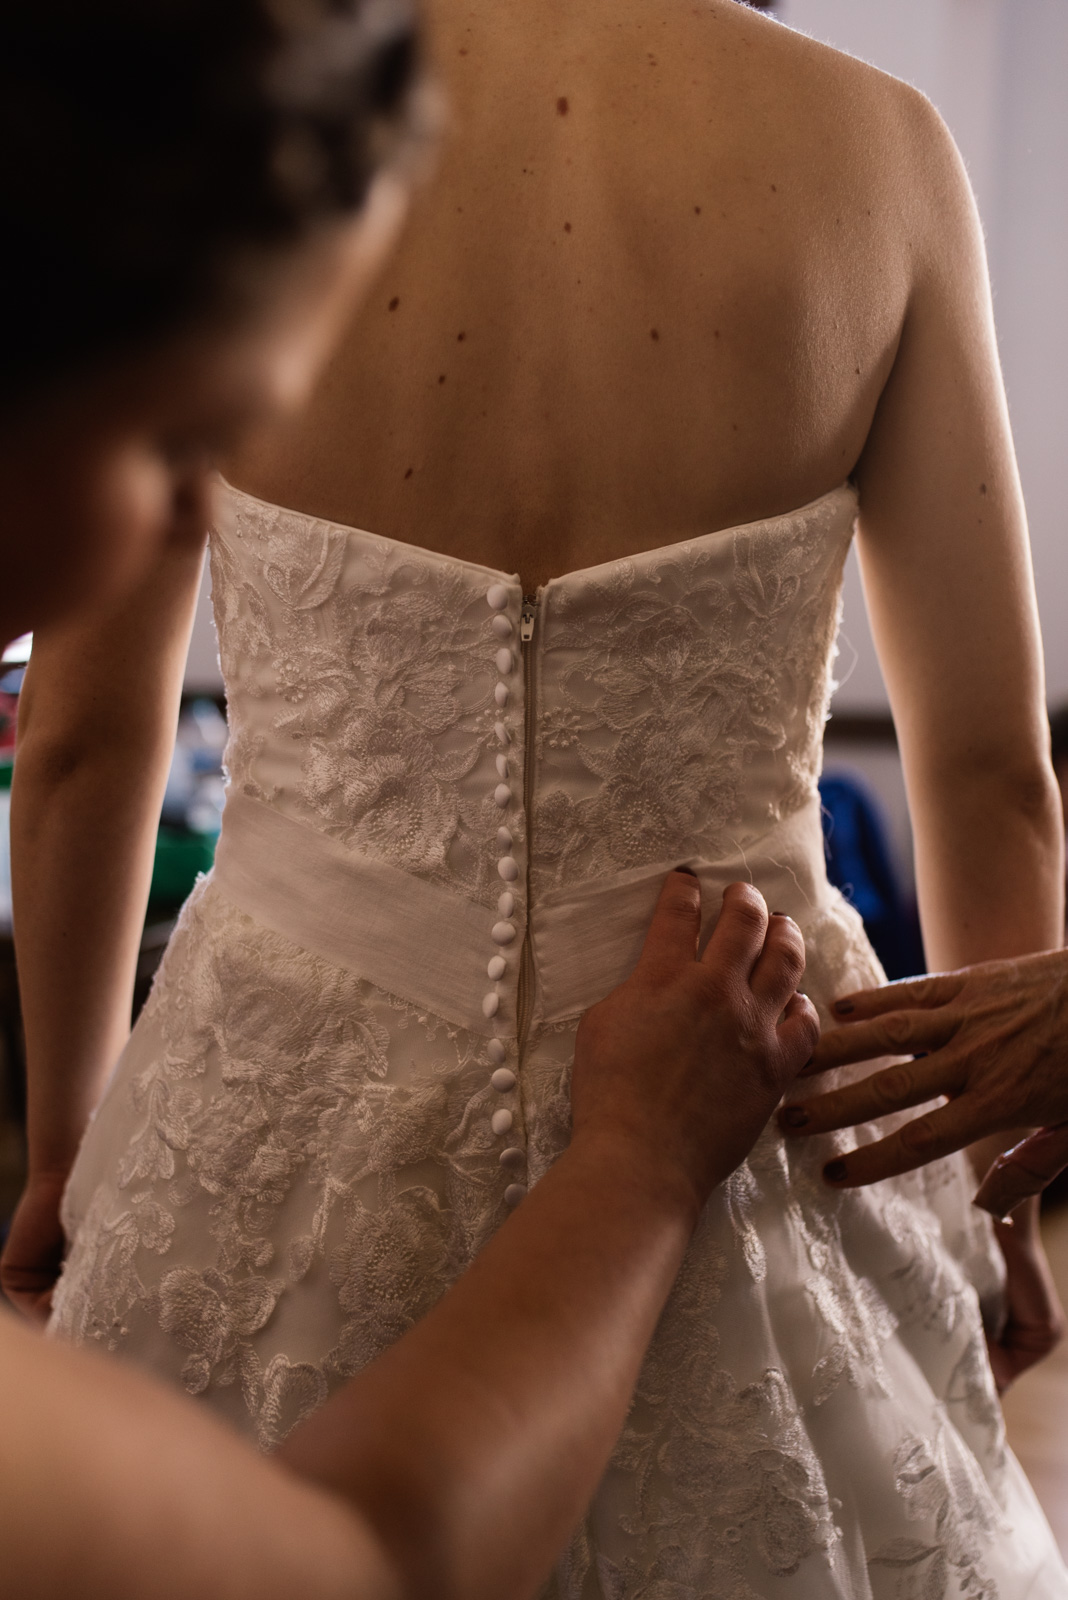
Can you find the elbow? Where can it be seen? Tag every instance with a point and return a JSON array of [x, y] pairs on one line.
[[1020, 792], [1032, 795], [50, 759]]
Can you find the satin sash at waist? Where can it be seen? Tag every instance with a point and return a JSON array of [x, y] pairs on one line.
[[429, 945]]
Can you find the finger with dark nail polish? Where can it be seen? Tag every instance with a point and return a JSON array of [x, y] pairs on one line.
[[690, 873], [834, 1171], [843, 1007], [794, 1116]]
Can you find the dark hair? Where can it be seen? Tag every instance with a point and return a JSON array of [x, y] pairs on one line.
[[149, 147]]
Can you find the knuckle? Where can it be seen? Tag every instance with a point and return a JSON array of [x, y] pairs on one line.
[[892, 1087], [810, 1023], [897, 1030], [791, 957], [746, 904], [918, 1137]]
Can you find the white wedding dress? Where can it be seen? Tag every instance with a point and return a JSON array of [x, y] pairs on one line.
[[450, 813]]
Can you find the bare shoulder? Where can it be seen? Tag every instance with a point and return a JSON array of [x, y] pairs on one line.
[[836, 108]]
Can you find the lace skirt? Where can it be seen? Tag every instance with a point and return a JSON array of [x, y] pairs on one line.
[[291, 1165]]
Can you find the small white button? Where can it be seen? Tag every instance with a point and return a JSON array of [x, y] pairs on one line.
[[502, 766], [490, 1004], [500, 694], [504, 838], [503, 659], [508, 867], [502, 932], [503, 1080], [501, 626], [496, 1051], [501, 1121], [497, 597], [503, 736], [496, 967], [513, 1159], [514, 1193], [502, 794], [506, 903]]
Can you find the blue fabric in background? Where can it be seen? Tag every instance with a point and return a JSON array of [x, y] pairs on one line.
[[859, 864]]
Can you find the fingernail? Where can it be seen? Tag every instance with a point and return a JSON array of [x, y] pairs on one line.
[[834, 1171], [844, 1007], [795, 1116], [690, 873]]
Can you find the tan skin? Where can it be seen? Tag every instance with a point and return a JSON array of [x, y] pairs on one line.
[[992, 1042], [679, 269], [992, 1039]]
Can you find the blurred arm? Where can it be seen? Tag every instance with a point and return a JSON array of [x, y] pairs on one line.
[[97, 717]]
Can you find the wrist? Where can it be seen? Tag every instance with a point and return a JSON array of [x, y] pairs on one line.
[[630, 1169], [48, 1173]]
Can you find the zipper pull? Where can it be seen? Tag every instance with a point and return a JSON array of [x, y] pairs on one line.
[[526, 618]]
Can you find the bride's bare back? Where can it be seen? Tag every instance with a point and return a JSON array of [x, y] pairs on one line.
[[655, 288]]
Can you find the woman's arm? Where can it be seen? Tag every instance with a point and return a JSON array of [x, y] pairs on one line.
[[947, 575], [96, 730], [455, 1467]]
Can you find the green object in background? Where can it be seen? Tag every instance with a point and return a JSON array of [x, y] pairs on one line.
[[180, 856], [5, 773]]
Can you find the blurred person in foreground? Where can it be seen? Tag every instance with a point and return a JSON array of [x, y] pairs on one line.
[[191, 194]]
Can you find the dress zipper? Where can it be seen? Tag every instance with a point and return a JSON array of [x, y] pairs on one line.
[[525, 991]]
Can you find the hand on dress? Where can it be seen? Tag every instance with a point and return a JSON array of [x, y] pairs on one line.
[[684, 1063], [994, 1040], [35, 1247]]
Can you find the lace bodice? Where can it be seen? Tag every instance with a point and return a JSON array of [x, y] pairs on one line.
[[679, 696]]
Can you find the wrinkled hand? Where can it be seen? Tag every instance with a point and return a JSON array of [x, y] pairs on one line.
[[684, 1063], [35, 1246], [1035, 1320], [996, 1038]]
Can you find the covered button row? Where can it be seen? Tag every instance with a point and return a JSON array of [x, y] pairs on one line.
[[503, 932]]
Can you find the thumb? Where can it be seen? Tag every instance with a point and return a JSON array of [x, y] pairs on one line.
[[672, 937], [1023, 1171]]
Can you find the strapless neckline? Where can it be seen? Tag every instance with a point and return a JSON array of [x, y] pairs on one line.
[[842, 492]]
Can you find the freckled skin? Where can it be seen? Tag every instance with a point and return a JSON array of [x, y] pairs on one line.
[[738, 265]]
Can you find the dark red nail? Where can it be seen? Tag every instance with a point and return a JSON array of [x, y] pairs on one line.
[[795, 1116], [834, 1171], [844, 1007], [690, 873]]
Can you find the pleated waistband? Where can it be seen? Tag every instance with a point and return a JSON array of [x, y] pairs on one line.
[[429, 945]]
